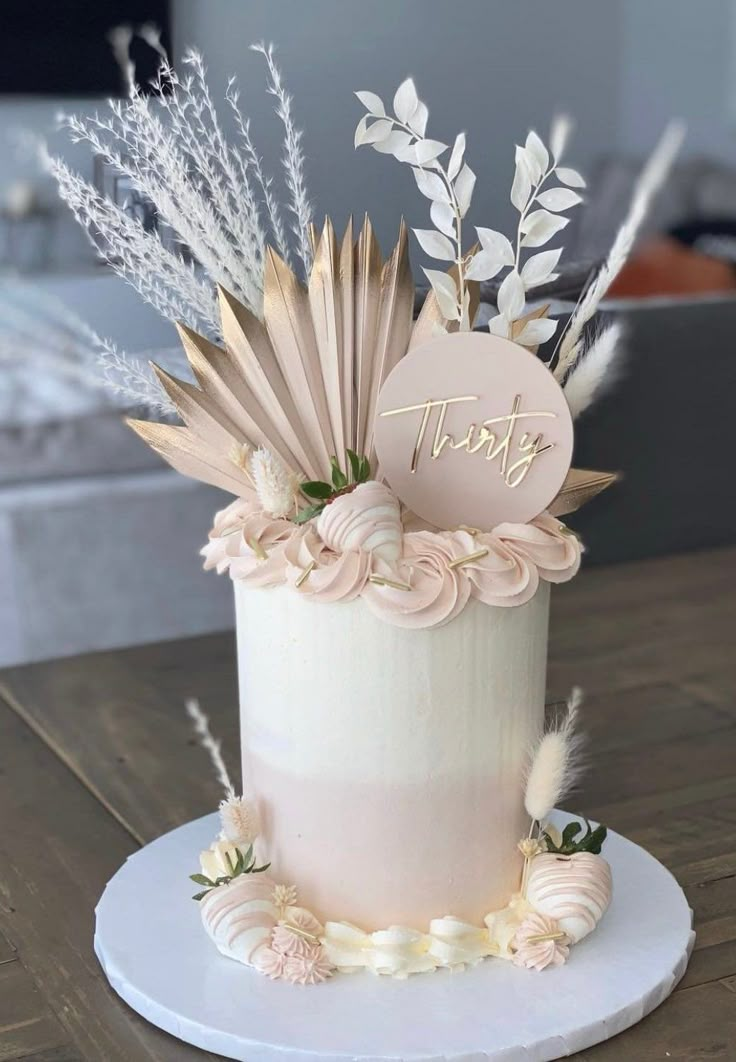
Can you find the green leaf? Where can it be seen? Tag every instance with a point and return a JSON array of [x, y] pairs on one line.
[[355, 462], [229, 862], [200, 879], [308, 514], [570, 833], [259, 870], [365, 470], [593, 842], [339, 479], [200, 895], [225, 880], [316, 488]]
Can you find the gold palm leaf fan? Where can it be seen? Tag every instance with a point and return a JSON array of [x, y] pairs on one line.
[[304, 381]]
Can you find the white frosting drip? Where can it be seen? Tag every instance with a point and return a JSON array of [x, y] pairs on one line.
[[574, 890]]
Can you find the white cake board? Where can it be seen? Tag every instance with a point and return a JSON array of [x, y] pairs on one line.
[[156, 955]]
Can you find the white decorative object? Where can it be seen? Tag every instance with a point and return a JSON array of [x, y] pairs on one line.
[[367, 518], [240, 916], [159, 961], [403, 750], [574, 890]]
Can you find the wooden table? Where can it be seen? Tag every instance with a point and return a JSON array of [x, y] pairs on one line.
[[97, 758]]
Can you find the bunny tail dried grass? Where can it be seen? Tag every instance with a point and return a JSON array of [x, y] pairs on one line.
[[650, 181], [239, 820], [555, 767], [594, 370], [203, 732]]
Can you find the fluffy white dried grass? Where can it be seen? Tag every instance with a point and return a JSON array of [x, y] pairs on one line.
[[594, 371], [650, 181], [211, 746], [555, 766], [276, 484]]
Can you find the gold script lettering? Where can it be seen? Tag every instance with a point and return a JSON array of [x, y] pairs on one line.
[[497, 441]]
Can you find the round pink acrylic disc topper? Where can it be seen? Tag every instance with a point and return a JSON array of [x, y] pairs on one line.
[[472, 429]]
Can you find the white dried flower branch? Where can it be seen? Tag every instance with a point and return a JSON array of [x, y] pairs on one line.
[[37, 329], [293, 160], [650, 181], [450, 188], [541, 212], [211, 193]]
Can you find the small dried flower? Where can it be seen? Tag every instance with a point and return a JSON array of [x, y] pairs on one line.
[[276, 484], [284, 896], [239, 820], [531, 846], [240, 455]]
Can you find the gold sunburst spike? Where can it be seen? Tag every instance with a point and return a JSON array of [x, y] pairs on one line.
[[289, 326], [202, 415], [222, 380], [188, 454], [326, 309], [347, 320], [368, 266], [249, 346], [580, 486], [395, 316]]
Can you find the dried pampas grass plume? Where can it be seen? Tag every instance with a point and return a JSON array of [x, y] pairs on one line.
[[594, 370], [555, 767], [214, 748]]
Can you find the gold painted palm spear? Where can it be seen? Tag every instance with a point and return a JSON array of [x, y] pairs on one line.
[[304, 381]]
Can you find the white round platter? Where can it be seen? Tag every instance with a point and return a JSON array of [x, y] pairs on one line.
[[157, 957]]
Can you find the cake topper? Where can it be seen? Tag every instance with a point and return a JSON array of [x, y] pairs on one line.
[[473, 430]]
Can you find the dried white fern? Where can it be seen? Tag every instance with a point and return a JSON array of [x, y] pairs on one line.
[[555, 766], [594, 370], [293, 159], [209, 191], [650, 181], [39, 330]]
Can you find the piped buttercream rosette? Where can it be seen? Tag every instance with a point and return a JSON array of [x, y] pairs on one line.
[[352, 552]]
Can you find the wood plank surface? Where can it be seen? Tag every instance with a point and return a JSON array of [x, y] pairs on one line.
[[651, 643]]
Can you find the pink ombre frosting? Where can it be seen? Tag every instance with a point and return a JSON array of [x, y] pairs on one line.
[[356, 549]]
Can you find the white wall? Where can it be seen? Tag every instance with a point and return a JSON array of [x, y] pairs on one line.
[[493, 67]]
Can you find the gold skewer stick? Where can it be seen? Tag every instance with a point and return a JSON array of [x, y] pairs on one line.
[[460, 561], [305, 574], [539, 937], [257, 548], [380, 580]]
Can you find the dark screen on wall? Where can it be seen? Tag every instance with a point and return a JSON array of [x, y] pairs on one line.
[[60, 47]]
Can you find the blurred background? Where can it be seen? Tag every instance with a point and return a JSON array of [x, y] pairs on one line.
[[98, 540]]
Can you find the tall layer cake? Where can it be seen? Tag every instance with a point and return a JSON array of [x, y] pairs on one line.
[[399, 489]]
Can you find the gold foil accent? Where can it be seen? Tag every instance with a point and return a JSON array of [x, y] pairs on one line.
[[257, 548], [381, 580], [460, 561], [305, 574]]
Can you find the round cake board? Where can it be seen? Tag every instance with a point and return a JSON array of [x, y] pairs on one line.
[[157, 957]]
